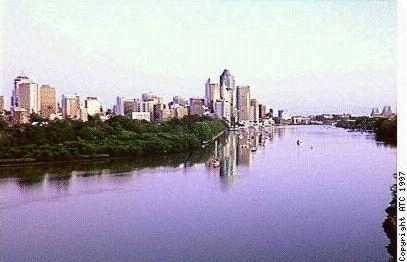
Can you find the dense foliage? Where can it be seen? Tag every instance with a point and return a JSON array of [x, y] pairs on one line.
[[118, 136], [385, 129]]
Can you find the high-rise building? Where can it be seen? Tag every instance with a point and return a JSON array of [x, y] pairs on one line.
[[48, 101], [228, 90], [151, 97], [262, 111], [180, 101], [212, 95], [196, 106], [93, 106], [226, 81], [222, 110], [243, 103], [254, 110], [180, 112], [17, 80], [26, 95], [72, 108]]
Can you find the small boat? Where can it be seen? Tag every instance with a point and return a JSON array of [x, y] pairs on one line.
[[215, 163]]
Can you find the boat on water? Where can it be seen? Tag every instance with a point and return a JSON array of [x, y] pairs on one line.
[[215, 163]]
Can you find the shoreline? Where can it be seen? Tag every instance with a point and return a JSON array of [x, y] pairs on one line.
[[24, 162]]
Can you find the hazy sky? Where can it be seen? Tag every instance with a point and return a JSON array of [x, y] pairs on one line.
[[303, 56]]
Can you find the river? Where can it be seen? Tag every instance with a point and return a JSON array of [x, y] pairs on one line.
[[268, 200]]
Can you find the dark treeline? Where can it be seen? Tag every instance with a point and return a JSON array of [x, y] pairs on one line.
[[385, 129], [390, 224], [119, 136]]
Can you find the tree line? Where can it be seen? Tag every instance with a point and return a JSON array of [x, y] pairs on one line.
[[118, 136]]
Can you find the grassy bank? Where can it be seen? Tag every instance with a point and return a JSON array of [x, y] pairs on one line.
[[385, 129], [119, 136]]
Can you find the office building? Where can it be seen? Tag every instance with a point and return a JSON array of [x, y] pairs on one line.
[[72, 108], [180, 112], [141, 116], [26, 95], [196, 106], [48, 101], [262, 111], [254, 110], [212, 94], [178, 100], [243, 103], [93, 106]]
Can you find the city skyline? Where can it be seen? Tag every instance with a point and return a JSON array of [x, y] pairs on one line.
[[322, 53]]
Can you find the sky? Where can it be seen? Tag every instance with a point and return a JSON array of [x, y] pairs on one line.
[[302, 56]]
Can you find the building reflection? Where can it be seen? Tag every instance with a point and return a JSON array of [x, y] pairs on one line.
[[237, 149]]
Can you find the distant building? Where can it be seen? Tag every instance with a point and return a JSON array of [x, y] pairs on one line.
[[212, 94], [14, 99], [150, 97], [301, 120], [2, 104], [271, 113], [93, 106], [280, 113], [254, 110], [163, 113], [180, 112], [222, 110], [262, 111], [48, 101], [20, 116], [141, 116], [180, 101], [131, 105], [375, 112], [226, 81], [26, 95], [243, 103], [196, 106], [387, 111], [72, 108]]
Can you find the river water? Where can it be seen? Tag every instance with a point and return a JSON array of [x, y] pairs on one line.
[[268, 200]]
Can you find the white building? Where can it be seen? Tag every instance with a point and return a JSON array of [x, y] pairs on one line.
[[93, 106], [26, 94], [141, 116], [223, 110]]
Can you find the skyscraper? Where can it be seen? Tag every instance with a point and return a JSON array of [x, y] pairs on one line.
[[254, 110], [26, 95], [212, 94], [17, 80], [93, 106], [243, 103], [196, 106], [228, 90], [48, 101], [72, 108], [226, 81]]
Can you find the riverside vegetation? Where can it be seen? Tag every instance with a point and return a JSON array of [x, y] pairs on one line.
[[118, 136], [385, 129]]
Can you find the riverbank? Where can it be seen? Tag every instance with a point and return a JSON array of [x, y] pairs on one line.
[[384, 129], [117, 137]]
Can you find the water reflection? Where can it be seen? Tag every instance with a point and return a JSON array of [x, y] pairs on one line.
[[189, 205], [237, 149], [223, 156]]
